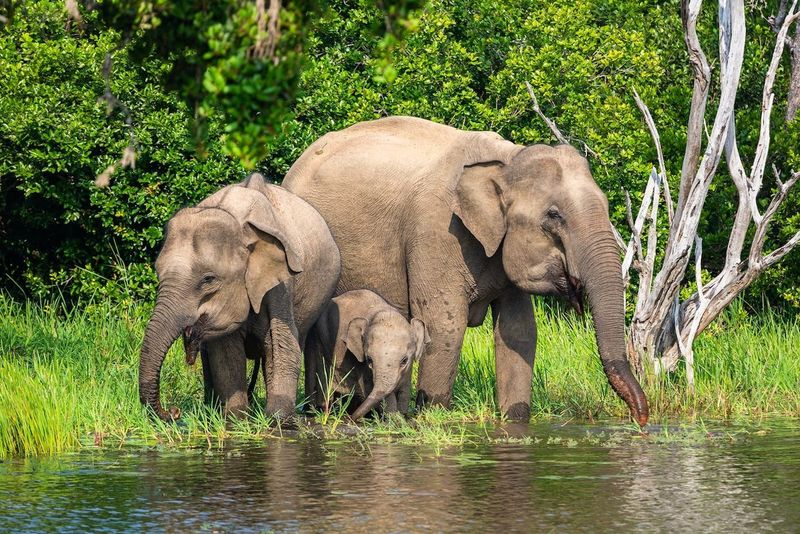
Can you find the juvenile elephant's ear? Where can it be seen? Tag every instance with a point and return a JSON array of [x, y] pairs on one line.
[[354, 337], [421, 336], [478, 202], [275, 251]]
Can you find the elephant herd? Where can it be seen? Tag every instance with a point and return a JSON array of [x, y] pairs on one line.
[[384, 243]]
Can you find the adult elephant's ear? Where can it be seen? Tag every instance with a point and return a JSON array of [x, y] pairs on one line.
[[478, 195], [276, 251], [478, 202]]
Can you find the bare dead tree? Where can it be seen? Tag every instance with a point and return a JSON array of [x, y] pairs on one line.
[[793, 44], [563, 139], [663, 328], [128, 158], [793, 95], [268, 30]]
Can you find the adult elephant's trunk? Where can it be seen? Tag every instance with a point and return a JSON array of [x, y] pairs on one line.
[[601, 274], [372, 400], [162, 331]]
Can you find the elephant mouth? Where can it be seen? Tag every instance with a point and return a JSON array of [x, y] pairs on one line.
[[192, 336], [575, 293], [200, 331], [567, 287]]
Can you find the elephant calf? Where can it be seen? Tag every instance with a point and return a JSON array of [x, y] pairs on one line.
[[369, 346]]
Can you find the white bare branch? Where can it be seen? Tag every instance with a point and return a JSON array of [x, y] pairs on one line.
[[635, 244], [690, 11], [767, 99], [550, 124], [660, 308], [662, 170]]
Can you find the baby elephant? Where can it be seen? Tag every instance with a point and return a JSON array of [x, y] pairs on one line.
[[369, 346]]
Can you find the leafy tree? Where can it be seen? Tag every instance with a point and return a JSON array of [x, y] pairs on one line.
[[467, 63], [56, 225], [203, 106]]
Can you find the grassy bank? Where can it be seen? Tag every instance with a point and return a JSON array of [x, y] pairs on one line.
[[69, 378]]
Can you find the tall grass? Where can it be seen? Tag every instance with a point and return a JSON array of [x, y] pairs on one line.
[[68, 377], [744, 366]]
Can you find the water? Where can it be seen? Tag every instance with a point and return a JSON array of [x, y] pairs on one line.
[[555, 478]]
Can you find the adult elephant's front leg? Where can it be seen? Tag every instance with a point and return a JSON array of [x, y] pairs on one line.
[[515, 349], [209, 396], [443, 308], [283, 360], [446, 319], [227, 367]]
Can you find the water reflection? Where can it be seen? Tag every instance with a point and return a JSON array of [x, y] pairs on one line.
[[558, 481]]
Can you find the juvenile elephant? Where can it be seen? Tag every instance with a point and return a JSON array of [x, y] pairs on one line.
[[444, 223], [369, 347], [245, 273]]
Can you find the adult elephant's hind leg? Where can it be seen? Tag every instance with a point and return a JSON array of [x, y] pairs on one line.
[[228, 366], [515, 349]]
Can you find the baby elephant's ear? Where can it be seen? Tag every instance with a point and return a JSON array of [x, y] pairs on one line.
[[421, 335], [354, 338]]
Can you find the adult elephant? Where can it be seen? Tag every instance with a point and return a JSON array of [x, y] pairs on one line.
[[244, 273], [444, 223]]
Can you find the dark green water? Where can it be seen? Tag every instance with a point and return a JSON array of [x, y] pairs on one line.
[[574, 478]]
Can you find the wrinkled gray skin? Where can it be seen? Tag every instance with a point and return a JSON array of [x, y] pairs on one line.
[[369, 347], [245, 273], [445, 223]]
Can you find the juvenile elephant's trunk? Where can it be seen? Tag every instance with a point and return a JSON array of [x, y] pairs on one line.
[[601, 273], [162, 331], [372, 400]]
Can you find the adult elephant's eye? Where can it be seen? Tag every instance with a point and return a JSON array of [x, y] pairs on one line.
[[404, 361], [207, 280], [553, 213]]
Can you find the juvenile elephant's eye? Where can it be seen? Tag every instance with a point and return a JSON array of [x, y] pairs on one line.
[[404, 361], [553, 213]]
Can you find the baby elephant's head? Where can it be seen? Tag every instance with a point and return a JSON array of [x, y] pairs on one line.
[[388, 344]]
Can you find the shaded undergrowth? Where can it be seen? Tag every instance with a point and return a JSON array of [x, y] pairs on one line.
[[68, 378]]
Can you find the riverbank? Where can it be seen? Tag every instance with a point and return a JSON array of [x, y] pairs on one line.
[[68, 378]]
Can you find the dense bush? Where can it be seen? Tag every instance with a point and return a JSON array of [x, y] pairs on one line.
[[467, 64], [462, 63], [56, 226]]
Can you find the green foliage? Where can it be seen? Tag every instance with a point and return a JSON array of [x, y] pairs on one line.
[[219, 63], [203, 107], [466, 65], [56, 226]]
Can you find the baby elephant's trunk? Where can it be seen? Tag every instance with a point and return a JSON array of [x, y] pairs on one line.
[[374, 398]]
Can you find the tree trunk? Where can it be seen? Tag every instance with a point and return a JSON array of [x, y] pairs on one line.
[[793, 96]]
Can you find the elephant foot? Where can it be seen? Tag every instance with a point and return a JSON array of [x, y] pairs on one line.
[[280, 407], [426, 400], [236, 406], [521, 411], [169, 416]]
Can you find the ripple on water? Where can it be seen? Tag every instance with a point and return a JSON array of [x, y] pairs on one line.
[[573, 477]]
